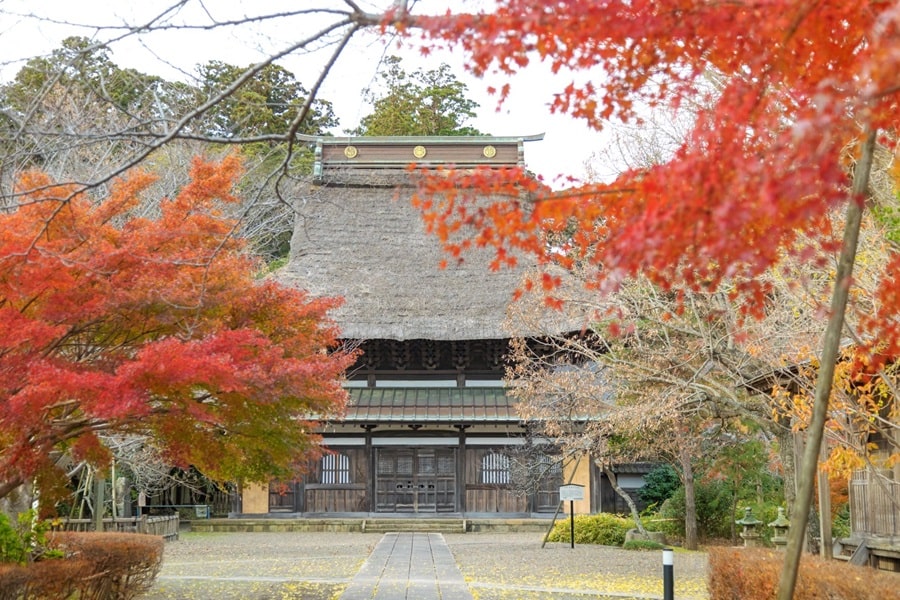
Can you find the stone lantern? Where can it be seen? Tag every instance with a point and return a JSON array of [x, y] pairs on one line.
[[750, 524], [780, 525]]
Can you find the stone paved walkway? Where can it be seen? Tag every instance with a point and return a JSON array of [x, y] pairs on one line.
[[409, 566]]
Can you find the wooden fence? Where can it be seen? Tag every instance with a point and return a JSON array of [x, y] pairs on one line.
[[874, 504], [165, 526]]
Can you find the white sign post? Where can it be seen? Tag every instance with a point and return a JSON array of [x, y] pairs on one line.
[[571, 492]]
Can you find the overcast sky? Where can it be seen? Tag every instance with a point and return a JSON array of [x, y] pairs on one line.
[[174, 54]]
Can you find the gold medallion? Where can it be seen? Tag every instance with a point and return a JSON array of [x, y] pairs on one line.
[[351, 151], [420, 151], [489, 152]]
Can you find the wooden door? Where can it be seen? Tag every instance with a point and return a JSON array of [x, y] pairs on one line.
[[415, 480]]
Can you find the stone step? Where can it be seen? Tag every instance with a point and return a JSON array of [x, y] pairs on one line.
[[414, 525], [455, 524]]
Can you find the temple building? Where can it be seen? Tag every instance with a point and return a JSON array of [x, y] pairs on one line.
[[430, 428]]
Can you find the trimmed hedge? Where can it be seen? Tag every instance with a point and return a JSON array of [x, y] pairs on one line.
[[97, 566], [54, 578], [601, 528], [753, 574]]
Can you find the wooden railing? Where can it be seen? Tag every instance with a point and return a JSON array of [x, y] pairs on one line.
[[165, 526], [874, 505]]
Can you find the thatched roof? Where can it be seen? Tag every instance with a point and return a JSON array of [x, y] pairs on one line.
[[357, 236]]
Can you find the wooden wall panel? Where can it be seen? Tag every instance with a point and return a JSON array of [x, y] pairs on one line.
[[336, 499], [494, 499]]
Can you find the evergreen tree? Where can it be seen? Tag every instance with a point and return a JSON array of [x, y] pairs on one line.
[[419, 103]]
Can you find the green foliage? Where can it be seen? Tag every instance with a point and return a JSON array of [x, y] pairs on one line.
[[652, 520], [78, 91], [659, 485], [82, 65], [602, 528], [840, 526], [714, 511], [26, 541], [741, 466], [730, 475], [13, 548], [745, 464], [642, 545], [274, 265], [266, 104], [713, 500], [420, 103], [888, 216]]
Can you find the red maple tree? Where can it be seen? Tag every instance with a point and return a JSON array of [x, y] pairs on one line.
[[801, 82], [114, 322]]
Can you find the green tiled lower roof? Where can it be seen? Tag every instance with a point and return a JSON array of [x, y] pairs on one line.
[[430, 405]]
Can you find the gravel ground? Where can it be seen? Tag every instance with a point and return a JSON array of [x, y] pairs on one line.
[[260, 566], [514, 566], [318, 566]]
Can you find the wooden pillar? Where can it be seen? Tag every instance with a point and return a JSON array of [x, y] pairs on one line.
[[533, 484], [370, 479], [99, 502], [825, 544], [300, 493], [461, 458]]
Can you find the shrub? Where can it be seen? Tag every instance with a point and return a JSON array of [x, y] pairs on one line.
[[840, 528], [713, 501], [97, 566], [659, 485], [642, 545], [13, 579], [42, 579], [602, 528], [122, 565], [13, 548], [753, 574], [24, 542]]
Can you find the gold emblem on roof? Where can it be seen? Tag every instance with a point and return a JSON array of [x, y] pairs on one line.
[[420, 151], [489, 152], [351, 151]]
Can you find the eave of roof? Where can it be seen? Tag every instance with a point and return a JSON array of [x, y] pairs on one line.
[[431, 405]]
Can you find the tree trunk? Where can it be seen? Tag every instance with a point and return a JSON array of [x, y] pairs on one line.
[[9, 486], [16, 500], [627, 498], [690, 502], [824, 380], [787, 451]]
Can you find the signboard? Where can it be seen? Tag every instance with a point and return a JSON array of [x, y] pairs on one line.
[[572, 491]]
